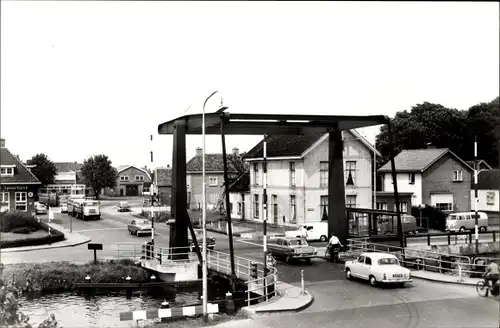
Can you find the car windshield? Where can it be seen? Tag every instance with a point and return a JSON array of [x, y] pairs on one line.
[[388, 261], [90, 203], [142, 222], [297, 242], [123, 203]]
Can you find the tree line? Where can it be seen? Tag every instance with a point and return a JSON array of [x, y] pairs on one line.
[[433, 124]]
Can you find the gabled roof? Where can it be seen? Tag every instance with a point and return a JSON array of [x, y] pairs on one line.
[[241, 184], [297, 145], [479, 162], [419, 160], [213, 163], [163, 177], [122, 168], [21, 173], [68, 167], [488, 180]]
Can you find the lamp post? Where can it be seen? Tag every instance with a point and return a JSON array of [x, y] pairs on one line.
[[204, 215]]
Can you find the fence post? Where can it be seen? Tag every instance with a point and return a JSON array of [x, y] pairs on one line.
[[470, 237], [428, 239], [248, 293], [449, 239], [303, 289], [494, 236]]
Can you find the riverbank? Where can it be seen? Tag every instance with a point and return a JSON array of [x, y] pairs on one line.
[[189, 322], [63, 276]]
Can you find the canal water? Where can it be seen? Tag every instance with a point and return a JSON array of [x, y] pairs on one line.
[[103, 309]]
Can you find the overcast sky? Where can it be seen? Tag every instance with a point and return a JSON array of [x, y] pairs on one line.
[[87, 77]]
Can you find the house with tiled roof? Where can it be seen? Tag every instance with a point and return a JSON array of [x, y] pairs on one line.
[[214, 174], [162, 184], [432, 176], [488, 186], [297, 178], [131, 181], [18, 186], [68, 180]]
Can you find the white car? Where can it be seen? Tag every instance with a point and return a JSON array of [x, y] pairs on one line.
[[377, 268], [310, 231], [40, 208], [64, 208]]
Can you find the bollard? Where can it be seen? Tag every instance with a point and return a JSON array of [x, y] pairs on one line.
[[164, 305], [153, 278], [230, 307], [460, 272], [129, 290], [87, 279], [303, 292], [419, 267]]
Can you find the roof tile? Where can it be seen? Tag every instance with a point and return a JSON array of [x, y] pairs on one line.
[[488, 180], [21, 173], [414, 159], [68, 167], [163, 177], [213, 163], [284, 145], [241, 184]]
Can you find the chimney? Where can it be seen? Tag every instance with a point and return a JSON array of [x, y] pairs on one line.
[[2, 143], [236, 151], [198, 152]]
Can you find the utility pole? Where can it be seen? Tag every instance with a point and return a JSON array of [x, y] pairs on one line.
[[476, 200], [152, 201], [264, 202]]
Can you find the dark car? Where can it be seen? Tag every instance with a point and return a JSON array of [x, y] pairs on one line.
[[292, 249], [199, 239]]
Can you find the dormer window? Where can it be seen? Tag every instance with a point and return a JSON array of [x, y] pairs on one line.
[[7, 170]]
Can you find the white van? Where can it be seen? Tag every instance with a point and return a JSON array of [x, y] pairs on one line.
[[466, 221], [310, 231]]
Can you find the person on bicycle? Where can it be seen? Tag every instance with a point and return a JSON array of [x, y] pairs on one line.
[[491, 273], [334, 245]]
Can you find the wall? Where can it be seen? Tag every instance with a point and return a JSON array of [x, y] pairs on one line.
[[12, 189], [243, 198], [403, 180], [213, 193], [165, 195], [439, 179], [482, 204], [131, 173]]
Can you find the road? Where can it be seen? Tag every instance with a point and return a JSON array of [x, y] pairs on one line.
[[338, 302]]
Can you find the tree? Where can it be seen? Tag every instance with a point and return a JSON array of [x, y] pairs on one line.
[[443, 127], [98, 173], [45, 170]]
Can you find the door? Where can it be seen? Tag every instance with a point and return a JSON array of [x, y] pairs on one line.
[[357, 268], [132, 190], [365, 268], [443, 202]]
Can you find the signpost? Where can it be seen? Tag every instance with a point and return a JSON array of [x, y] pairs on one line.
[[95, 248], [51, 217]]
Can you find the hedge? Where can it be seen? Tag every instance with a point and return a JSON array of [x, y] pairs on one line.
[[55, 236], [12, 220]]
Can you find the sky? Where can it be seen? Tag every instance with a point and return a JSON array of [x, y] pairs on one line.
[[86, 77]]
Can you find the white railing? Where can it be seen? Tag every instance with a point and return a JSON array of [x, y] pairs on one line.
[[459, 265]]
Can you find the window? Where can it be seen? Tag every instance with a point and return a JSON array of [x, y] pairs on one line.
[[323, 204], [350, 171], [382, 206], [256, 205], [21, 201], [361, 259], [323, 174], [350, 201], [145, 189], [139, 178], [230, 207], [293, 208], [411, 178], [212, 181], [7, 171], [123, 178], [490, 198], [274, 200], [458, 175], [256, 177], [4, 202], [292, 174], [444, 206], [403, 207], [368, 261]]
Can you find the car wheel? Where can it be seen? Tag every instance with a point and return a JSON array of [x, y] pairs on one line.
[[322, 238], [482, 229], [373, 281], [348, 274]]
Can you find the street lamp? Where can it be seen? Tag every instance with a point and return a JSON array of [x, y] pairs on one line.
[[204, 210]]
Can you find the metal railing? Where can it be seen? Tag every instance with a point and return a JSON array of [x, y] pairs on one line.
[[459, 265], [451, 238], [150, 252]]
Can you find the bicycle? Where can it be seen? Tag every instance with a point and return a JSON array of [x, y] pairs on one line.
[[483, 288], [335, 254]]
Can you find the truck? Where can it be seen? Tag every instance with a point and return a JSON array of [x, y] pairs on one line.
[[84, 209]]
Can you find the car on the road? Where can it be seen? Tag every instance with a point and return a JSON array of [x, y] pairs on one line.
[[292, 248], [64, 208], [40, 208], [139, 227], [199, 239], [310, 231], [377, 268], [123, 207]]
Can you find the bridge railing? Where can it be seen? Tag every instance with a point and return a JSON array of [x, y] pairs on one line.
[[452, 238], [264, 287], [150, 252], [459, 265]]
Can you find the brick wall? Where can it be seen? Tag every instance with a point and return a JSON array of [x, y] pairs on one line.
[[439, 179]]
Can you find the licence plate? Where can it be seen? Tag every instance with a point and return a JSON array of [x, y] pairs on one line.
[[397, 275], [91, 211]]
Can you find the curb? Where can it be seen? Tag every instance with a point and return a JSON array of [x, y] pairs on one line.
[[445, 282], [42, 247], [298, 309]]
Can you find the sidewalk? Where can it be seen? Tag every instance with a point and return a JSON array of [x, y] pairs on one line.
[[289, 299], [71, 239]]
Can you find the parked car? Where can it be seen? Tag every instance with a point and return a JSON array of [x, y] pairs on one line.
[[292, 249], [139, 226], [310, 231], [123, 207], [199, 239], [466, 221], [64, 208], [377, 268], [40, 208]]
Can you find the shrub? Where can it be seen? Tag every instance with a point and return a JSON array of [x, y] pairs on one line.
[[55, 236], [13, 220], [23, 230], [436, 218]]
